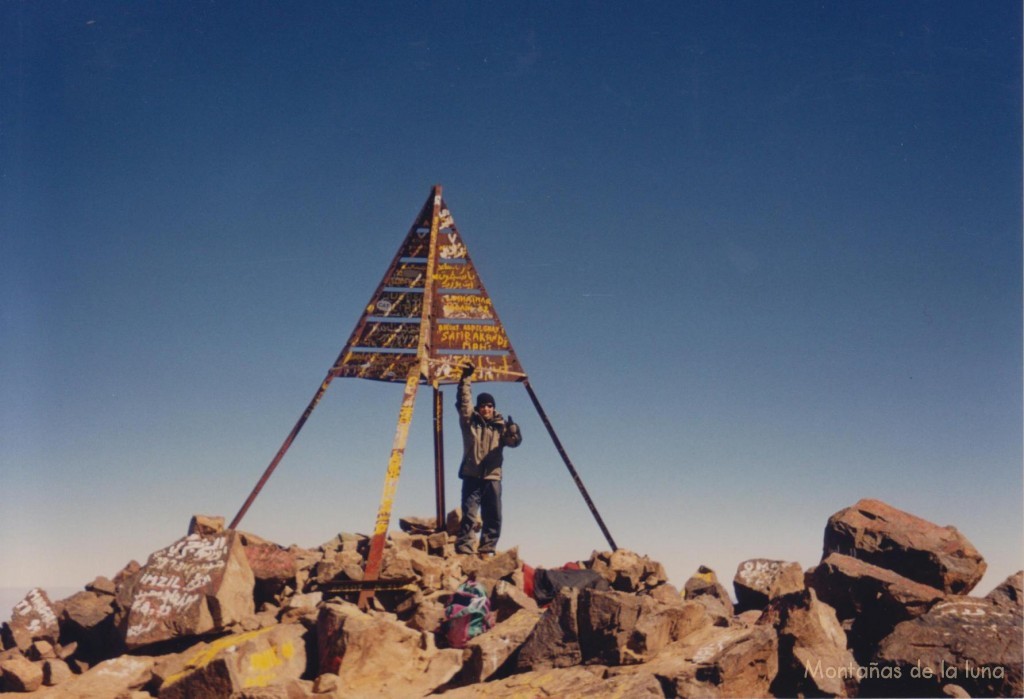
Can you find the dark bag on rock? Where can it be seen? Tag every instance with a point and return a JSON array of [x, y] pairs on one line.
[[547, 582]]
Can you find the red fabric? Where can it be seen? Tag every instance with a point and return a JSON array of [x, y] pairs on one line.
[[458, 631], [528, 580], [572, 565]]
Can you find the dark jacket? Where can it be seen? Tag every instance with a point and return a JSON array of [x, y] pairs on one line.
[[482, 442]]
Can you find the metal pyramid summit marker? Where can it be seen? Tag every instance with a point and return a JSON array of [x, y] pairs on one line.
[[429, 316], [430, 310]]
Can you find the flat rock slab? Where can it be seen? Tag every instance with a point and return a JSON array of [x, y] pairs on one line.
[[194, 586], [715, 662], [568, 683], [111, 678], [487, 653]]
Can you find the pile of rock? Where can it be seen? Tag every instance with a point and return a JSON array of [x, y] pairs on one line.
[[227, 614]]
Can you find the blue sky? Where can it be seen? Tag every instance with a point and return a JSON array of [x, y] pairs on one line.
[[760, 260]]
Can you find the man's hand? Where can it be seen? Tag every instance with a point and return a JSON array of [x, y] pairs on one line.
[[467, 369], [512, 437]]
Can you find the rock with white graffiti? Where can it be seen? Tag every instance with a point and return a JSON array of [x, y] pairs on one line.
[[968, 641], [760, 580], [117, 677], [195, 586], [32, 619]]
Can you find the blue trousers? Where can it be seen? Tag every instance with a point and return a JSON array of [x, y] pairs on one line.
[[484, 496]]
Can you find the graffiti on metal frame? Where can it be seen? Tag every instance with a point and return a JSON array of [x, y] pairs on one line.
[[471, 337], [456, 276], [464, 325], [413, 276], [390, 335], [473, 306], [397, 304]]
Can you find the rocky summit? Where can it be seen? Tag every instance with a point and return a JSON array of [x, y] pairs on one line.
[[221, 613]]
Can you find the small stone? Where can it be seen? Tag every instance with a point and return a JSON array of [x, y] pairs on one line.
[[19, 674], [102, 586], [206, 525], [56, 671], [325, 683]]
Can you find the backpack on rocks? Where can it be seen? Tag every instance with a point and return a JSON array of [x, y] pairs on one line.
[[467, 615]]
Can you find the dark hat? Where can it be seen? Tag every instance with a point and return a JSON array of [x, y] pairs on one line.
[[484, 399]]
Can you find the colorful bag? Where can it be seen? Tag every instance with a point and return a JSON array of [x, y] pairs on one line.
[[467, 615]]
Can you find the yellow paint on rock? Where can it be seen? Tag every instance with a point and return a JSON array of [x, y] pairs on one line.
[[261, 665], [210, 653]]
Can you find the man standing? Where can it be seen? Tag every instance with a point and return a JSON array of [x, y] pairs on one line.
[[485, 434]]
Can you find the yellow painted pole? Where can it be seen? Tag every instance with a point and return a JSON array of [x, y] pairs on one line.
[[420, 370], [387, 499]]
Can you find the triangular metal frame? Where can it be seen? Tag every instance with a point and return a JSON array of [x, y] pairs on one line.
[[429, 315]]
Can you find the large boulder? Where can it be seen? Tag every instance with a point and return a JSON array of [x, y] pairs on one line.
[[487, 653], [87, 619], [618, 628], [606, 627], [877, 533], [966, 641], [255, 660], [374, 655], [195, 586], [869, 600], [34, 618], [555, 640], [741, 666], [813, 657], [760, 580]]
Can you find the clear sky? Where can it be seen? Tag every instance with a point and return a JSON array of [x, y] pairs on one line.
[[760, 260]]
